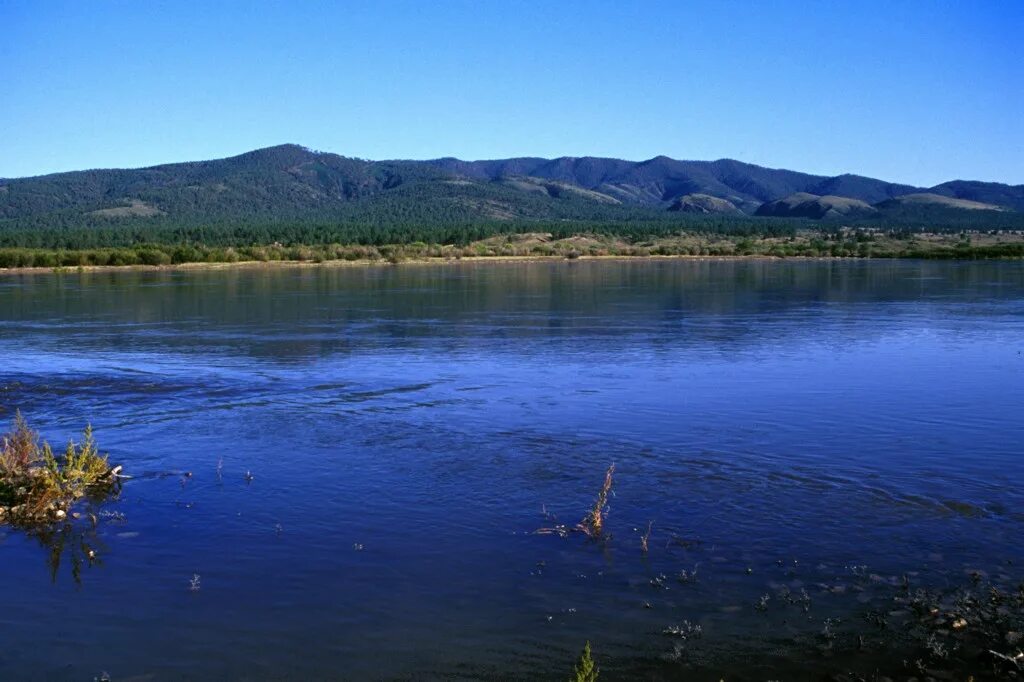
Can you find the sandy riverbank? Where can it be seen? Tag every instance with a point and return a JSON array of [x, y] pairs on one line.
[[253, 264]]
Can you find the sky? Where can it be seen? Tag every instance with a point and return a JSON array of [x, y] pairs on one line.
[[917, 92]]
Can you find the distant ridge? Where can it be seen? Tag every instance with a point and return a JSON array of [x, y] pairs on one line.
[[290, 183], [806, 205]]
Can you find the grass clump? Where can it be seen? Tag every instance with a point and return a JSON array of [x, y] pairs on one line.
[[38, 487]]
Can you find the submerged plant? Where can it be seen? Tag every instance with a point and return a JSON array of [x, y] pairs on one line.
[[585, 670], [686, 577], [685, 631]]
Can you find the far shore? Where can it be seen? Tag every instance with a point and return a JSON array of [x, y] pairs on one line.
[[519, 248], [341, 263], [255, 264]]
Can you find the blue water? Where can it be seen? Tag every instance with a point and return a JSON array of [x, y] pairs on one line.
[[823, 426]]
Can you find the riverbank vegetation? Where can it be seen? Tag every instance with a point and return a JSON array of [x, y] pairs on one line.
[[38, 488], [845, 243]]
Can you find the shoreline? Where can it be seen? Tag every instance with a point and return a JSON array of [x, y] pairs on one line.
[[363, 262], [523, 247], [438, 260]]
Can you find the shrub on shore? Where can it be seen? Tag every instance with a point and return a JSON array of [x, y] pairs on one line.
[[841, 244]]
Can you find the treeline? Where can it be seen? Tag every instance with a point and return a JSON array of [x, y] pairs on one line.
[[575, 246], [915, 219], [156, 254], [230, 234]]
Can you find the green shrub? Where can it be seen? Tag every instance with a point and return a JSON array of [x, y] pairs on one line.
[[153, 257], [585, 670], [38, 487]]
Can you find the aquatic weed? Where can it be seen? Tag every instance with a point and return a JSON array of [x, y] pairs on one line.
[[937, 648], [827, 633], [686, 577], [685, 631]]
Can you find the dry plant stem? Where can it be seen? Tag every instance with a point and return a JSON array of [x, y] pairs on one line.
[[561, 531], [645, 537], [593, 523]]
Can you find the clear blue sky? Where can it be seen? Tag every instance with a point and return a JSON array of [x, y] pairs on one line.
[[919, 92]]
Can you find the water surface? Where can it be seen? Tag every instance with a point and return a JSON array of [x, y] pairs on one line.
[[822, 426]]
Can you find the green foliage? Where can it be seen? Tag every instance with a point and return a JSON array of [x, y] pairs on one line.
[[421, 225], [295, 197], [557, 241], [38, 487], [585, 670], [81, 468]]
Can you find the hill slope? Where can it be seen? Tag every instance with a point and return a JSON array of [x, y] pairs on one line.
[[289, 184], [806, 205], [704, 204]]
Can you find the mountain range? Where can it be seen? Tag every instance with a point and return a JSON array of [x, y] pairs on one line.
[[293, 183]]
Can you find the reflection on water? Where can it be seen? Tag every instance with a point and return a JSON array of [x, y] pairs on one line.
[[814, 442], [77, 545]]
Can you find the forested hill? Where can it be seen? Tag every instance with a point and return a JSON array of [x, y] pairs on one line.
[[289, 185]]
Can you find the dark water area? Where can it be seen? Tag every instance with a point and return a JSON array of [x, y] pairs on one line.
[[809, 437]]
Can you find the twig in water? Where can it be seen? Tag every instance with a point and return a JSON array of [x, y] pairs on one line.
[[593, 523], [645, 537], [1017, 660], [560, 531], [686, 577]]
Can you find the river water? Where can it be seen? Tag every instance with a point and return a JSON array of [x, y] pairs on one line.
[[372, 448]]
